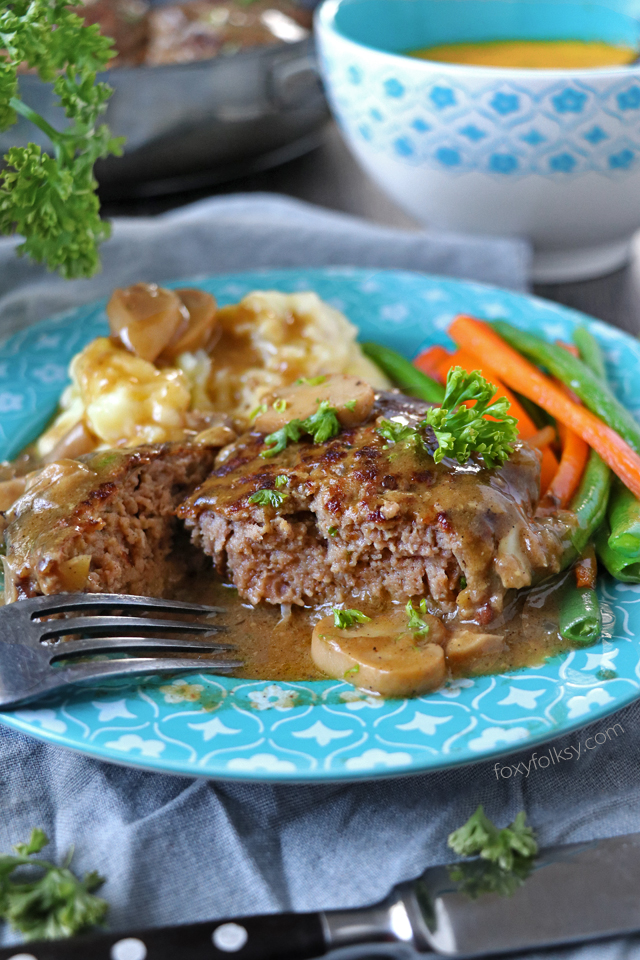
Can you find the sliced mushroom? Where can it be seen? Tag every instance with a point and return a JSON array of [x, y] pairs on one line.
[[200, 331], [351, 397], [382, 655], [468, 648], [145, 318]]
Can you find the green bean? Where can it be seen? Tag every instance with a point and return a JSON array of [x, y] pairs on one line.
[[624, 521], [580, 617], [403, 373], [575, 374], [619, 566], [590, 352], [592, 496], [590, 502]]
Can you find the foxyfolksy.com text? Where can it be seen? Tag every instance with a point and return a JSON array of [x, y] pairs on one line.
[[553, 756]]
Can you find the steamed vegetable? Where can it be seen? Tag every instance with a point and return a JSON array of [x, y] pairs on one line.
[[580, 616], [578, 377], [520, 374], [619, 566], [575, 453], [624, 520], [590, 352], [50, 198], [403, 373]]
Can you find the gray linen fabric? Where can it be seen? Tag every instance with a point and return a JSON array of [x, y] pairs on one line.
[[246, 232], [179, 850]]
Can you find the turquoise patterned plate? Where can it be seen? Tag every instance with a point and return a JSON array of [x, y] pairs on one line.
[[314, 731]]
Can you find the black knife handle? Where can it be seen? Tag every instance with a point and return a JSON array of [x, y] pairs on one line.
[[288, 936]]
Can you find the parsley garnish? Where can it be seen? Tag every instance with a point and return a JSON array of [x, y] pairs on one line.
[[50, 199], [55, 904], [350, 405], [332, 531], [310, 381], [257, 411], [282, 481], [463, 581], [268, 498], [396, 432], [461, 431], [479, 837], [416, 624], [345, 619], [352, 670], [321, 425]]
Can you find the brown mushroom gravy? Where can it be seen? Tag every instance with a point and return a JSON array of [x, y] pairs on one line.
[[277, 647]]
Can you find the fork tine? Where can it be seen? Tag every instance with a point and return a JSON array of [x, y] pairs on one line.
[[116, 669], [72, 648], [65, 602], [112, 626]]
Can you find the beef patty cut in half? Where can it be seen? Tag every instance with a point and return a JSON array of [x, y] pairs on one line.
[[365, 518], [102, 524]]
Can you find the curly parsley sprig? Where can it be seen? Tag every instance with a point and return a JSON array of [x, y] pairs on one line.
[[461, 431], [51, 903], [50, 199]]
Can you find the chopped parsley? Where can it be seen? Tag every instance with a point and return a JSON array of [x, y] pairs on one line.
[[506, 847], [352, 670], [463, 581], [54, 903], [345, 619], [461, 431], [268, 498], [416, 624], [350, 405], [258, 411], [310, 381], [396, 432], [282, 481], [332, 531], [280, 405], [321, 426]]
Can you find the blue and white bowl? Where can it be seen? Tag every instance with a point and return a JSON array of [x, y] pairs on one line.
[[552, 155]]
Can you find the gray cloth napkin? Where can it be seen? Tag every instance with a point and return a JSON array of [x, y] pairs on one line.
[[179, 850], [247, 232]]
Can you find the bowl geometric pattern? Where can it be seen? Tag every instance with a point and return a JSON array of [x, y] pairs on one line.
[[556, 128]]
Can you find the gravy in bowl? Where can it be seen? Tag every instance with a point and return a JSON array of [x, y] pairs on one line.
[[531, 54]]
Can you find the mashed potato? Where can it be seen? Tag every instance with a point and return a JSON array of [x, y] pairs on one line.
[[265, 342], [122, 399], [270, 339]]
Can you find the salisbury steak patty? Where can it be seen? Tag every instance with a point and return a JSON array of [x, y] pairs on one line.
[[366, 518], [103, 524]]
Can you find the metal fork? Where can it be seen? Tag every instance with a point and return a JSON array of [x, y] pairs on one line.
[[30, 646]]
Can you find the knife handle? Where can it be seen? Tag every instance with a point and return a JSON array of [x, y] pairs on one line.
[[288, 936]]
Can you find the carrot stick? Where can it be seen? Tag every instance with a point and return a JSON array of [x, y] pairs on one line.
[[526, 427], [572, 464], [522, 376], [429, 360]]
